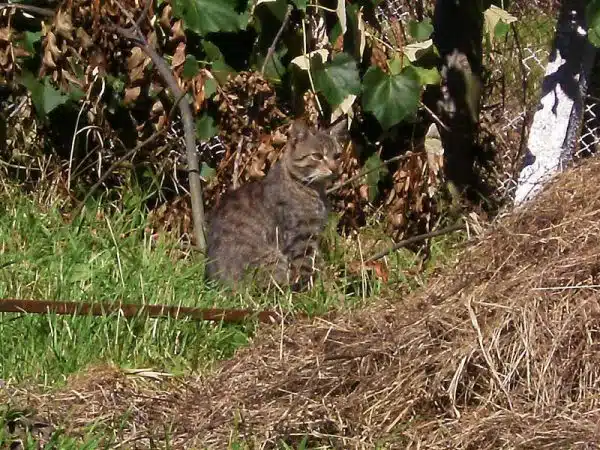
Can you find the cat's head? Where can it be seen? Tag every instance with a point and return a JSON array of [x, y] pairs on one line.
[[313, 156]]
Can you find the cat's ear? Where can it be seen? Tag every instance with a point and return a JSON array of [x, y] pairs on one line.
[[299, 130], [339, 131]]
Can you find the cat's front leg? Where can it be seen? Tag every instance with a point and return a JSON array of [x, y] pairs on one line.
[[276, 268], [303, 264]]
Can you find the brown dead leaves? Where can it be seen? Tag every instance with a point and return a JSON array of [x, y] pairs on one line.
[[252, 127], [412, 196], [80, 47], [81, 42], [11, 51]]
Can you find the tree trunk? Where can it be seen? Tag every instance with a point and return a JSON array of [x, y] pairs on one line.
[[458, 36]]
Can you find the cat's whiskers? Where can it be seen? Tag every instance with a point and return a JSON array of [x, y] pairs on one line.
[[317, 176]]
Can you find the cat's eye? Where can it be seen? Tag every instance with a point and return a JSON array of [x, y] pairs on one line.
[[317, 156]]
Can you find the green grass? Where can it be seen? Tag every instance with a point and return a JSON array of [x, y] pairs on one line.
[[109, 255], [30, 440], [107, 259]]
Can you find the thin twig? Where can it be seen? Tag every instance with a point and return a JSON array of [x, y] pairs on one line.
[[73, 141], [29, 9], [72, 308], [418, 238], [524, 123], [367, 172], [126, 156], [114, 166], [566, 288], [138, 23], [312, 5], [271, 50], [135, 35], [591, 97], [382, 42], [310, 78], [236, 163], [435, 117]]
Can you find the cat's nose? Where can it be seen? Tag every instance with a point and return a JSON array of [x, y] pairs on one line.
[[332, 164]]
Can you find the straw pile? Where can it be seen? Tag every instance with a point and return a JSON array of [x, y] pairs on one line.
[[501, 351]]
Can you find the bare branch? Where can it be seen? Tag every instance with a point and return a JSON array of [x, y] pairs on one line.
[[435, 117], [525, 122], [308, 67], [271, 50], [130, 310], [411, 240], [144, 15], [135, 35], [125, 157], [367, 172], [29, 9]]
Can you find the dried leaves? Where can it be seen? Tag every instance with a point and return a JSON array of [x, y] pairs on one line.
[[252, 128], [82, 52], [11, 49]]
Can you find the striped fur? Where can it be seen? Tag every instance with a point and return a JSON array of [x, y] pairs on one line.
[[269, 229]]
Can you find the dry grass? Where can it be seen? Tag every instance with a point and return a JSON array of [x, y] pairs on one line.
[[501, 351]]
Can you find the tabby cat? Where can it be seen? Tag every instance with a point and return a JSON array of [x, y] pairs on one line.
[[268, 229]]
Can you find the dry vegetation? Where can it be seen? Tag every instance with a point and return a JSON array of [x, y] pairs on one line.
[[498, 352]]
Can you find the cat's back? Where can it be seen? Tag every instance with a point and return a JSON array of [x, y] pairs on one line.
[[237, 230], [238, 210]]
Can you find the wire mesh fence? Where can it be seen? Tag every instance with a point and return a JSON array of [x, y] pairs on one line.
[[514, 70]]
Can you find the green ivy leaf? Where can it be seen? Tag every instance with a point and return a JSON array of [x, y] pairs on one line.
[[376, 171], [356, 38], [300, 4], [221, 70], [75, 92], [420, 30], [501, 30], [44, 96], [77, 66], [115, 83], [397, 64], [313, 59], [336, 32], [210, 87], [207, 172], [275, 69], [492, 16], [338, 78], [209, 16], [213, 53], [390, 98], [51, 98], [426, 76], [418, 49], [277, 7], [30, 39], [190, 67], [594, 37], [592, 15], [205, 127]]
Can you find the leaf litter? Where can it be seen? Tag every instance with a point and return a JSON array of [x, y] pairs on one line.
[[500, 350]]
